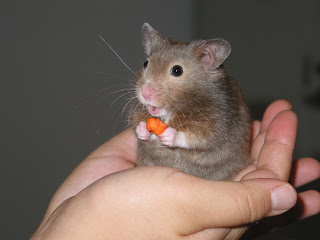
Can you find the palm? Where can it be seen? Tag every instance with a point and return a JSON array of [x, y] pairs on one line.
[[120, 154]]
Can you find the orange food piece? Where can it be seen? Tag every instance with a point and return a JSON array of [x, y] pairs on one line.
[[155, 126]]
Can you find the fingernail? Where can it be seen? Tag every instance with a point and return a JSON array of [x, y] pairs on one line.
[[283, 198]]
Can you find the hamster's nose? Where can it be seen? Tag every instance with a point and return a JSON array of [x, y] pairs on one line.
[[149, 92]]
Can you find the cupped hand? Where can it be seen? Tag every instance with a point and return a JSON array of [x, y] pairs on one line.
[[164, 203]]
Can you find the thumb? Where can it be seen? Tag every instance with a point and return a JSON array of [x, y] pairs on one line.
[[229, 204]]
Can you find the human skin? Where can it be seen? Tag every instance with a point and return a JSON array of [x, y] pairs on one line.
[[106, 197]]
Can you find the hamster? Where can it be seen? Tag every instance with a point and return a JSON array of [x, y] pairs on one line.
[[187, 87]]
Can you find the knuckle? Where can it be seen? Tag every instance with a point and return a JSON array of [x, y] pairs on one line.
[[252, 205]]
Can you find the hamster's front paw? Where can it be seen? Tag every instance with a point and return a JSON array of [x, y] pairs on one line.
[[142, 132], [168, 137]]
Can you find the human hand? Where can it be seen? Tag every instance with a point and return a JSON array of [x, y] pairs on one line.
[[155, 200]]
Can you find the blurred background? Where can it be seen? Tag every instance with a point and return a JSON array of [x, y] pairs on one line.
[[59, 82]]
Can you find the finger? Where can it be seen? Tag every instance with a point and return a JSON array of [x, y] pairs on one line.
[[255, 129], [308, 204], [304, 170], [193, 204], [275, 157], [233, 203], [257, 145], [270, 113]]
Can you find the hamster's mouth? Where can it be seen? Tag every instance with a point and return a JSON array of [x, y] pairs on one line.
[[156, 111]]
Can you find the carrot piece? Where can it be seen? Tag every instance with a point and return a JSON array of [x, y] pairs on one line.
[[155, 126]]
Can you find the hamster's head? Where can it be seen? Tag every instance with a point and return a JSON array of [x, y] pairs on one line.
[[178, 75]]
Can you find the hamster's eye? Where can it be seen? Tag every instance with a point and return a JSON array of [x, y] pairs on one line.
[[145, 64], [176, 71]]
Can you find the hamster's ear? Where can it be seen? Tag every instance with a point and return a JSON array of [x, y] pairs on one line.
[[151, 38], [214, 52]]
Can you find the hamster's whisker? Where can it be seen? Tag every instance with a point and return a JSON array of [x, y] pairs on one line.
[[116, 86], [118, 99], [203, 115], [182, 113], [99, 92], [121, 90], [180, 119], [133, 109], [112, 75], [117, 54], [127, 105]]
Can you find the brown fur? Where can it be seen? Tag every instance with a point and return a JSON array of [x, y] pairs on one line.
[[204, 103]]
